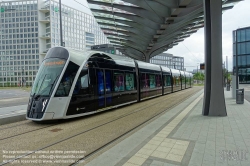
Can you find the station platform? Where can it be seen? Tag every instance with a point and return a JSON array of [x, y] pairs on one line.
[[183, 136], [12, 114]]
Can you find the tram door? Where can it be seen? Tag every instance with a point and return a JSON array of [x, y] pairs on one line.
[[108, 86], [104, 88]]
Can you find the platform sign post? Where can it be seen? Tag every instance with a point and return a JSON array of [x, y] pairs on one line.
[[233, 86]]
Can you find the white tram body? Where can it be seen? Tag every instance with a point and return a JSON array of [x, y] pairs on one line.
[[72, 83]]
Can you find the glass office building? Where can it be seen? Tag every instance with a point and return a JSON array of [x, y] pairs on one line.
[[168, 60], [242, 39], [30, 27]]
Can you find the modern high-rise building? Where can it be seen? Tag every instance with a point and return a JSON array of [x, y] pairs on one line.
[[30, 27], [242, 38], [168, 60]]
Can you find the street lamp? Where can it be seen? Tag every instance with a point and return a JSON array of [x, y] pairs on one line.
[[22, 77], [236, 58], [197, 67], [60, 14]]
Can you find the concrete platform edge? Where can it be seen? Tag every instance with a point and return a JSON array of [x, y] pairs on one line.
[[12, 119]]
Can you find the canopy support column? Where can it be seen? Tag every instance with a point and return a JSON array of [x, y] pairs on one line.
[[147, 58], [214, 100]]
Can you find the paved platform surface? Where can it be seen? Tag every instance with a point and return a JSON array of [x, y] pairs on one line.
[[13, 93], [182, 136], [14, 110], [13, 105], [247, 90]]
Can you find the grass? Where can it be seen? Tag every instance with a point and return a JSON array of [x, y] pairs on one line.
[[198, 84]]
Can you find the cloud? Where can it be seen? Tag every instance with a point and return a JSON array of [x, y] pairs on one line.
[[237, 17]]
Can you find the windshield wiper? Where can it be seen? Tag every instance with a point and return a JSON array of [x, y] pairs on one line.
[[37, 96], [53, 84]]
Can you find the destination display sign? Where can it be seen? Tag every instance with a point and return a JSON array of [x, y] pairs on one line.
[[54, 63], [202, 66]]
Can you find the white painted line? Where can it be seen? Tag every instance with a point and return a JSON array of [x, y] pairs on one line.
[[20, 111], [15, 98], [15, 106], [8, 114], [14, 113]]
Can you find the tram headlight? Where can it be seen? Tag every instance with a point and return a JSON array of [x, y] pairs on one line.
[[30, 100]]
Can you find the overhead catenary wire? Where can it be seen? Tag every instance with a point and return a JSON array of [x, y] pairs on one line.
[[81, 4], [191, 52]]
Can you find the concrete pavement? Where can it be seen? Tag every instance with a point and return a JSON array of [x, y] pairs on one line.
[[183, 136], [13, 93], [246, 90], [13, 105], [9, 111]]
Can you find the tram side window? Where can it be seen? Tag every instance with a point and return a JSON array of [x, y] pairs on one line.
[[81, 83], [100, 82], [178, 80], [182, 79], [151, 81], [67, 80], [187, 80], [84, 81], [164, 80], [174, 80], [118, 81], [167, 79], [130, 83], [158, 81], [144, 81]]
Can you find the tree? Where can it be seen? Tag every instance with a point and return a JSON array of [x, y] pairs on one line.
[[199, 76], [227, 76]]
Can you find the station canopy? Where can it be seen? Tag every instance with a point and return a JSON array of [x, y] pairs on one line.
[[142, 29]]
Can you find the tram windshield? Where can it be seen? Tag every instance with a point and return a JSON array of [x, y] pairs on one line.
[[47, 76]]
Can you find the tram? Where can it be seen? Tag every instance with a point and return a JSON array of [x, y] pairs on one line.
[[72, 83]]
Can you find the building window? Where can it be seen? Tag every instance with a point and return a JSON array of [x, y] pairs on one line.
[[90, 38]]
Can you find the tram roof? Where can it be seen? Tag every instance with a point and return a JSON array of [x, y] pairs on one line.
[[165, 69], [80, 56], [174, 71]]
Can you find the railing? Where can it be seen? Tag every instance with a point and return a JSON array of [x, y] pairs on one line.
[[47, 35], [45, 51], [45, 19], [45, 7]]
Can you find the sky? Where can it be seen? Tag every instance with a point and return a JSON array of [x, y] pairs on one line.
[[192, 48]]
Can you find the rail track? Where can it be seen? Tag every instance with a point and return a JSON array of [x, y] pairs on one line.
[[139, 110]]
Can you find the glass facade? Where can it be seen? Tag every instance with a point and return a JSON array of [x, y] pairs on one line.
[[80, 30], [243, 53], [30, 27], [168, 60], [19, 50]]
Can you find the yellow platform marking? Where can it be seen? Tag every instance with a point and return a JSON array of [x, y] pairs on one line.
[[160, 146]]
